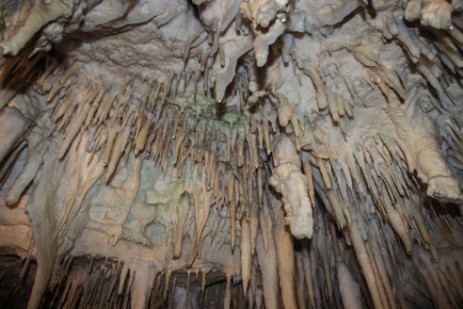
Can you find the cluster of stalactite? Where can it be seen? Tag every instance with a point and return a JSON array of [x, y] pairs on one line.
[[107, 283], [308, 155]]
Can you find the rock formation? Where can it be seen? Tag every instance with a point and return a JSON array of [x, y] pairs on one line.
[[235, 153]]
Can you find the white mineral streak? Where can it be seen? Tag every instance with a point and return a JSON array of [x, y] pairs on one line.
[[220, 153]]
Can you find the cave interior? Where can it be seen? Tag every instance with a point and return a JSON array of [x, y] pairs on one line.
[[231, 154]]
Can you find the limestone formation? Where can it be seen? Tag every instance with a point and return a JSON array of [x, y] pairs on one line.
[[231, 153]]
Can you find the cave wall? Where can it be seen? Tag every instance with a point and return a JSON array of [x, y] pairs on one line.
[[263, 153]]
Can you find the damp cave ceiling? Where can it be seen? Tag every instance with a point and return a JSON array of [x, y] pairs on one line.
[[301, 148]]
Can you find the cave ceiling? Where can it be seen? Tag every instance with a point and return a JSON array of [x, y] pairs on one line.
[[267, 153]]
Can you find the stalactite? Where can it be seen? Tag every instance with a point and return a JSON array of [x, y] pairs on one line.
[[285, 259], [13, 125], [246, 253], [294, 153]]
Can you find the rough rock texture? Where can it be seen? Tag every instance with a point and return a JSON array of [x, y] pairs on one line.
[[209, 153]]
